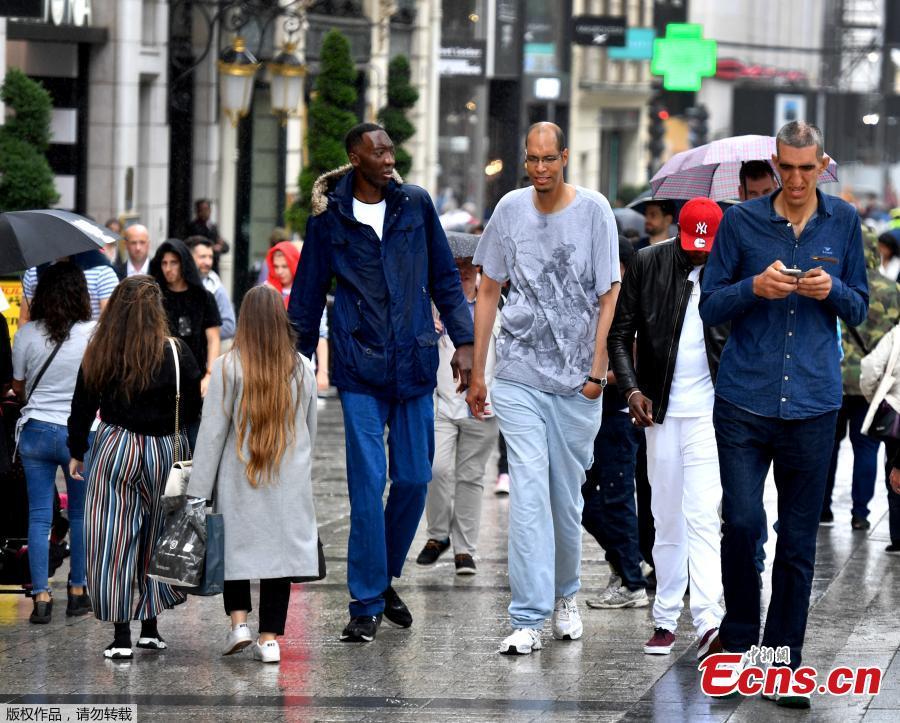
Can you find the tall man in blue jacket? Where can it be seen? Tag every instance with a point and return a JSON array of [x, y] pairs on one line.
[[779, 384], [381, 240]]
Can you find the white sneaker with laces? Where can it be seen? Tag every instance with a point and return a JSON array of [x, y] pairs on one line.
[[621, 597], [267, 652], [566, 620], [612, 584], [239, 637], [522, 642]]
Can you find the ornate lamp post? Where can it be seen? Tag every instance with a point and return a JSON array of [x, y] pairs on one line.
[[237, 72], [286, 74]]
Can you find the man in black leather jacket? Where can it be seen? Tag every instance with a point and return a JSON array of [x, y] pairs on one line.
[[669, 391]]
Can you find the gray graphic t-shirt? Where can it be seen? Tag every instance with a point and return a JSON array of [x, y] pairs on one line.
[[558, 265]]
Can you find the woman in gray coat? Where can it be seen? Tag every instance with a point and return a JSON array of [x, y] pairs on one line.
[[254, 459]]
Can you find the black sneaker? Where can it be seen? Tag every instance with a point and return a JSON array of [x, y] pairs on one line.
[[361, 629], [893, 549], [42, 612], [826, 519], [465, 565], [79, 605], [860, 523], [432, 551], [395, 610]]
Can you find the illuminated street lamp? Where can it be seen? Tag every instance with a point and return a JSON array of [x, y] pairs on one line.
[[237, 71], [286, 74]]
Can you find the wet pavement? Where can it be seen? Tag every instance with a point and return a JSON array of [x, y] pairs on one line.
[[445, 667]]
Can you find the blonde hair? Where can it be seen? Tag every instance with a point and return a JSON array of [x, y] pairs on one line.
[[265, 344]]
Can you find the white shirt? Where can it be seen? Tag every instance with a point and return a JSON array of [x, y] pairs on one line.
[[371, 214], [691, 394], [892, 270], [131, 270]]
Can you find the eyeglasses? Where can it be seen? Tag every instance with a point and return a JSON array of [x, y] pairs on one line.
[[546, 160]]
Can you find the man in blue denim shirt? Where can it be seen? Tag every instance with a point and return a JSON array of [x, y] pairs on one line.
[[779, 383]]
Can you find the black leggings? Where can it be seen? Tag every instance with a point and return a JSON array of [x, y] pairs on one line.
[[274, 596]]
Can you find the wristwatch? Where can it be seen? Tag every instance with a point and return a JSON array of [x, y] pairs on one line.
[[601, 382]]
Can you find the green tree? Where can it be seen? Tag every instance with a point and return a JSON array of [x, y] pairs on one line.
[[331, 115], [26, 180], [401, 97]]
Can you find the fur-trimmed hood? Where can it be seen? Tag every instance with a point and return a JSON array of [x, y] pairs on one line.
[[327, 182]]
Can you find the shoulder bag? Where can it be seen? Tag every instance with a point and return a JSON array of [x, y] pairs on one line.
[[180, 474]]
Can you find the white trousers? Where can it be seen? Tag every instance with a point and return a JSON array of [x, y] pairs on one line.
[[462, 448], [683, 467]]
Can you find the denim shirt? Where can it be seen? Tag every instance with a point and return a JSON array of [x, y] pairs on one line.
[[782, 358]]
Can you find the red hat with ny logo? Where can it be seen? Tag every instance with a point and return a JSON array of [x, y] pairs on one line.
[[697, 224]]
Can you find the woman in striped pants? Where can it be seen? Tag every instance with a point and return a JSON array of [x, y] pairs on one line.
[[128, 373]]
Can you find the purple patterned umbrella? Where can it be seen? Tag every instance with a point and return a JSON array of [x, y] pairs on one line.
[[712, 170]]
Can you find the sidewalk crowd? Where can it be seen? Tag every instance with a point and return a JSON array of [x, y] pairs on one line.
[[638, 387]]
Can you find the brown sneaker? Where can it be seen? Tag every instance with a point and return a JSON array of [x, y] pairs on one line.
[[465, 565], [432, 551]]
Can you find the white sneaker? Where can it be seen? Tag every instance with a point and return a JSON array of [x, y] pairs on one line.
[[522, 642], [621, 597], [612, 584], [502, 487], [267, 652], [646, 568], [239, 637], [735, 670], [566, 620]]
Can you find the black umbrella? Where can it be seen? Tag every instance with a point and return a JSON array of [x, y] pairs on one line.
[[30, 238]]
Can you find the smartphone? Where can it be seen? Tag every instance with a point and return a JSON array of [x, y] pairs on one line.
[[798, 273]]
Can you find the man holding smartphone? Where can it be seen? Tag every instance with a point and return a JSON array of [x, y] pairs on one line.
[[779, 383]]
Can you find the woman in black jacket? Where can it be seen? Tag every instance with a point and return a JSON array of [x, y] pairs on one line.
[[129, 374]]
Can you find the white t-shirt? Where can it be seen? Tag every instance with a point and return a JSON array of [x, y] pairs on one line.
[[692, 393], [371, 214], [51, 400]]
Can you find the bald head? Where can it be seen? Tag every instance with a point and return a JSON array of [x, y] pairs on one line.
[[137, 244], [546, 127]]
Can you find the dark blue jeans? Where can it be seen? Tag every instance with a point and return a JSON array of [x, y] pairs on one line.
[[609, 511], [380, 535], [800, 451], [865, 456], [43, 448]]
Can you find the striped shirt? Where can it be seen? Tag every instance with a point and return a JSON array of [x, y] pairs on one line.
[[101, 280]]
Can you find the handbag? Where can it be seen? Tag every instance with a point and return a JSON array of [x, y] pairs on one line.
[[180, 473], [212, 579], [885, 424]]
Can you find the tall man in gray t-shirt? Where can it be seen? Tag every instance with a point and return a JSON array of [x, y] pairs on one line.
[[558, 247]]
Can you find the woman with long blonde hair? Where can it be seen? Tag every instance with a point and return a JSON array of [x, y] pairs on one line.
[[254, 459], [129, 373]]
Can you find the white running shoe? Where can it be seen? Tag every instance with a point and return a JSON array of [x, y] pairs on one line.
[[267, 652], [566, 620], [646, 568], [522, 642], [612, 584], [502, 487], [621, 597], [239, 637]]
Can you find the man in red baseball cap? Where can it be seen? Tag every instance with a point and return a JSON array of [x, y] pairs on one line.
[[669, 390]]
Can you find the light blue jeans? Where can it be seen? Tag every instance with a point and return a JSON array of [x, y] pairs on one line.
[[43, 448], [550, 444]]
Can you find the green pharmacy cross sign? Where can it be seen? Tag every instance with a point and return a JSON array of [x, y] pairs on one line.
[[683, 57]]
